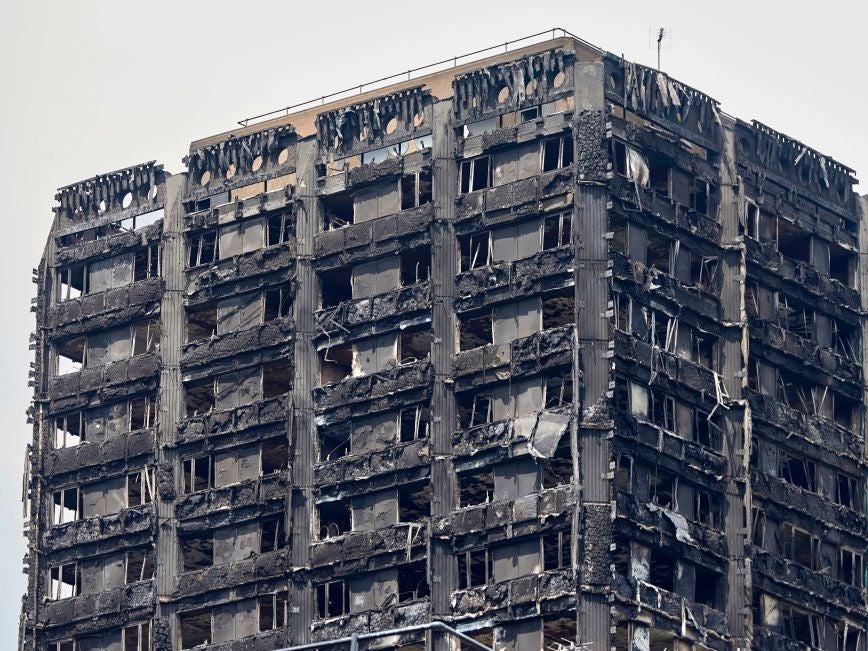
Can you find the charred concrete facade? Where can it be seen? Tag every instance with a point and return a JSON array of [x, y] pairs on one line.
[[546, 347]]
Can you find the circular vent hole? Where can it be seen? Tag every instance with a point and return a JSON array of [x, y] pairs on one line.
[[502, 95], [283, 156], [205, 179], [257, 163], [127, 201], [391, 125]]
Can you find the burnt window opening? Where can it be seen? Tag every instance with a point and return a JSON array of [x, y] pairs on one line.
[[663, 411], [841, 264], [529, 114], [850, 568], [798, 471], [414, 502], [276, 378], [661, 570], [793, 241], [751, 299], [845, 412], [140, 488], [198, 474], [474, 410], [751, 226], [557, 153], [202, 248], [201, 323], [659, 253], [147, 263], [559, 632], [558, 390], [334, 443], [337, 286], [146, 337], [278, 302], [281, 229], [846, 490], [800, 625], [70, 356], [621, 311], [335, 518], [624, 473], [69, 430], [275, 455], [618, 229], [758, 527], [707, 587], [662, 485], [559, 309], [702, 348], [197, 552], [475, 250], [848, 637], [475, 487], [475, 568], [199, 396], [195, 626], [140, 565], [413, 582], [332, 599], [273, 611], [796, 317], [272, 534], [414, 345], [415, 189], [558, 470], [337, 210], [845, 341], [658, 173], [557, 230], [414, 423], [71, 282], [67, 505], [65, 581], [700, 196], [143, 413], [703, 271], [474, 331], [212, 201], [415, 265], [137, 637], [705, 430], [799, 394], [475, 174], [335, 363], [619, 157], [706, 508], [557, 550]]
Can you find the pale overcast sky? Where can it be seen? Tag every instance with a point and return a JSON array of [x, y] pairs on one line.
[[90, 87]]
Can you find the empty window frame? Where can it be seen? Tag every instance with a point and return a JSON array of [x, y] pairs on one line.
[[65, 581], [706, 508], [799, 546], [474, 410], [707, 583], [195, 628], [662, 488], [624, 473], [67, 505], [475, 250], [798, 471], [272, 534], [198, 473], [758, 527], [557, 550], [850, 568], [557, 230], [751, 219], [338, 210], [415, 189], [557, 152], [413, 423], [71, 282], [475, 487], [845, 341], [659, 252], [137, 637], [796, 317], [474, 331], [278, 302], [800, 626], [280, 229], [413, 582], [140, 565], [334, 443], [414, 502], [849, 637], [140, 487], [196, 552], [337, 286], [659, 173], [475, 568], [332, 599], [70, 356], [273, 611], [700, 196], [142, 413], [147, 263], [146, 337], [202, 248], [558, 390], [793, 241], [414, 345], [846, 490], [415, 265], [199, 396], [335, 518], [663, 411], [475, 174], [69, 430], [842, 264]]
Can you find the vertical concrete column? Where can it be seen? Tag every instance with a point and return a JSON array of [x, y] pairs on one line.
[[171, 409], [732, 356], [444, 266], [862, 287], [591, 360], [301, 417]]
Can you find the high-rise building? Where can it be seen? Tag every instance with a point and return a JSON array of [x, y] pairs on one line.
[[543, 346]]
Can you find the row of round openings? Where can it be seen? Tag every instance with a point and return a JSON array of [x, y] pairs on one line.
[[127, 200], [282, 158], [530, 88]]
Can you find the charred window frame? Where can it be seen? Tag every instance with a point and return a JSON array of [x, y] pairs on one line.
[[280, 229], [850, 567], [624, 473], [203, 248], [475, 410], [663, 488], [846, 341], [142, 413], [413, 582], [198, 473], [758, 527], [702, 195], [796, 317], [849, 636], [474, 330], [557, 152], [415, 265], [140, 487], [801, 626], [334, 443], [64, 581], [72, 282], [332, 599], [847, 491], [145, 337], [475, 487], [659, 252], [798, 471], [147, 263], [793, 241], [70, 356], [137, 637], [273, 611], [557, 230], [278, 302], [140, 565], [475, 568], [475, 174], [69, 430], [416, 189], [199, 396], [706, 508], [663, 411], [557, 550], [800, 546], [475, 250], [67, 505], [413, 423], [195, 627], [272, 534], [335, 518], [558, 390], [751, 220], [619, 157]]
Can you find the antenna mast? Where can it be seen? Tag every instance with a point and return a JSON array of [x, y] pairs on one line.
[[660, 34]]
